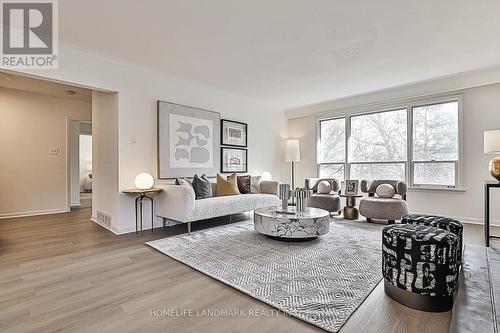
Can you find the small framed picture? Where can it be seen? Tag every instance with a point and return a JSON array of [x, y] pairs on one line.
[[233, 160], [351, 187], [233, 133]]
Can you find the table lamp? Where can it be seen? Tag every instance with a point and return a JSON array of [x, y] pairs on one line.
[[492, 146]]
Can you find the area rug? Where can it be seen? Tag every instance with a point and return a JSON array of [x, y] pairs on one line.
[[321, 281]]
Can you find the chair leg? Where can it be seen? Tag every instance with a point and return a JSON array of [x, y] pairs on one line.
[[369, 220], [392, 221], [189, 228]]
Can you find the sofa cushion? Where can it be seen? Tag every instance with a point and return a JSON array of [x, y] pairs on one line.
[[244, 184], [202, 187], [385, 191], [231, 204], [324, 187], [227, 187]]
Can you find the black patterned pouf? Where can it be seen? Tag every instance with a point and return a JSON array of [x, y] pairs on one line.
[[420, 266], [440, 222]]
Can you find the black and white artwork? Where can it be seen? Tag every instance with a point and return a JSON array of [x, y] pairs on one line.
[[233, 160], [233, 133], [187, 141], [351, 187]]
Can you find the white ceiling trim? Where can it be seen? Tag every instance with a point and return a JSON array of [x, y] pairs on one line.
[[442, 85]]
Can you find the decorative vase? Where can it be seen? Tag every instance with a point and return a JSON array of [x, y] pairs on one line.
[[284, 195], [302, 196]]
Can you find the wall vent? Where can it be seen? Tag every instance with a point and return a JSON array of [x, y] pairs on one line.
[[104, 218]]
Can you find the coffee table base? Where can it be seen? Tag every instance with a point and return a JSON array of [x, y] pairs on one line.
[[292, 240]]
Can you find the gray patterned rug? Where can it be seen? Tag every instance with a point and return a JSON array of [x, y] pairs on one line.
[[321, 281]]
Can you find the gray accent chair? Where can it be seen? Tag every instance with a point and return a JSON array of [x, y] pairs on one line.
[[329, 202], [390, 209]]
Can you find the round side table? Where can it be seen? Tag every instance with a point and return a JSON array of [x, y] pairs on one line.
[[351, 212], [141, 195]]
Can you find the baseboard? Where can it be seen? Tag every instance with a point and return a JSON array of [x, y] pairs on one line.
[[469, 220], [93, 219], [33, 213], [75, 204]]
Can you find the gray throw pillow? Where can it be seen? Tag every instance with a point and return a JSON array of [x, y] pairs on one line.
[[255, 184], [183, 181], [202, 187]]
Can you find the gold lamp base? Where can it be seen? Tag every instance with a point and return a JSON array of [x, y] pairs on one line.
[[494, 168]]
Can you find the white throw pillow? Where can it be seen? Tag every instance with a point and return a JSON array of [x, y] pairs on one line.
[[385, 191], [324, 187]]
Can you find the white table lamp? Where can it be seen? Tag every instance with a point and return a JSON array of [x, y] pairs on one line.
[[144, 181], [492, 146]]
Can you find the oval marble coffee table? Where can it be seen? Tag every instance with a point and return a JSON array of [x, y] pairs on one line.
[[293, 226]]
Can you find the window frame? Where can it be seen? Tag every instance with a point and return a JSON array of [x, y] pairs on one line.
[[407, 105]]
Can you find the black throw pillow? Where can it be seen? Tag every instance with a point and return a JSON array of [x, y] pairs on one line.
[[244, 184], [202, 187]]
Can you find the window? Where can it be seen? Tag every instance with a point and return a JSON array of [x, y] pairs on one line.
[[332, 150], [377, 147], [419, 143], [435, 144]]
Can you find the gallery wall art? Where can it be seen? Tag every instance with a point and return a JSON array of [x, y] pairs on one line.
[[233, 160], [188, 140], [233, 133]]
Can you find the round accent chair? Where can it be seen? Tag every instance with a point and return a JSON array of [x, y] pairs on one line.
[[386, 200], [324, 196]]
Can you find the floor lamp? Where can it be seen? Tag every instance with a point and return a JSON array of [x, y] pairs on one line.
[[292, 155]]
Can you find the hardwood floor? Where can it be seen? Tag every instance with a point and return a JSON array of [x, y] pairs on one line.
[[64, 273]]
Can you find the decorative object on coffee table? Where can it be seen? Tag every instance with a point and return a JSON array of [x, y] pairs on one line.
[[327, 201], [292, 155], [141, 195], [188, 141], [284, 195], [420, 267], [292, 226], [302, 196], [233, 133], [351, 212], [233, 160], [492, 146]]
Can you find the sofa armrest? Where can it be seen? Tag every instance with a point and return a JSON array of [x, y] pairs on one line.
[[175, 202], [269, 187]]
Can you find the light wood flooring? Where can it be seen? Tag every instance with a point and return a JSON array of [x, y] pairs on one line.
[[64, 273]]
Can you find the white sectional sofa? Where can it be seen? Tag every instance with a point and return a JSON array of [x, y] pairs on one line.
[[177, 203]]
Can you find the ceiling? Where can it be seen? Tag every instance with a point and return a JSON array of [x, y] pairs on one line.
[[289, 53], [24, 83]]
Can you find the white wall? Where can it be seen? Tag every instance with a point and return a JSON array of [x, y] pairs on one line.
[[31, 180], [481, 110], [105, 175]]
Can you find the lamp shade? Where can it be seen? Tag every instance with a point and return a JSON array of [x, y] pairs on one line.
[[144, 181], [292, 150], [492, 142]]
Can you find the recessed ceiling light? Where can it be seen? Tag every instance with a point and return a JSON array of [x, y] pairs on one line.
[[70, 92]]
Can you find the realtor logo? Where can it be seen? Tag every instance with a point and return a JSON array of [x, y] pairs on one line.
[[29, 34]]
